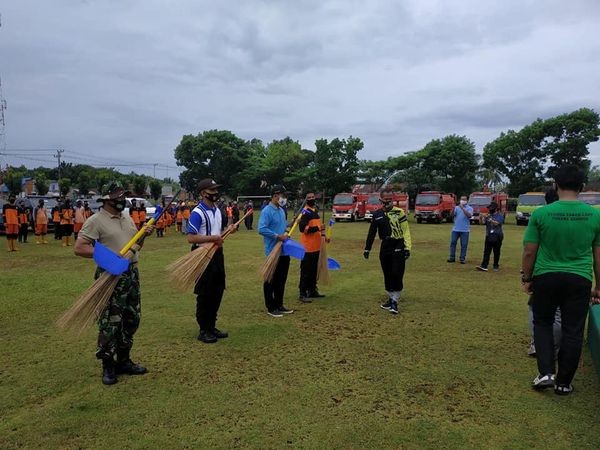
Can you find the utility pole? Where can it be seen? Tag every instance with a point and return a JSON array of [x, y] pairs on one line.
[[154, 171], [2, 109], [58, 155]]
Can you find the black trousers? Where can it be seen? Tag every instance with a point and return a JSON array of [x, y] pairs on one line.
[[23, 229], [308, 273], [275, 290], [57, 230], [393, 263], [209, 292], [248, 222], [490, 247], [571, 293]]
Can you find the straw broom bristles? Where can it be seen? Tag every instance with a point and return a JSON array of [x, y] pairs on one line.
[[188, 269], [267, 270], [88, 306], [322, 267]]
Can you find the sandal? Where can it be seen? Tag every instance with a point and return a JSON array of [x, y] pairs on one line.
[[563, 389]]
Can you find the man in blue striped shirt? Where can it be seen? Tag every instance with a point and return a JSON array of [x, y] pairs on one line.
[[272, 227], [204, 227]]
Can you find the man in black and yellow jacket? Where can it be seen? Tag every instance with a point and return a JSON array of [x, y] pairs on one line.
[[311, 227], [391, 223]]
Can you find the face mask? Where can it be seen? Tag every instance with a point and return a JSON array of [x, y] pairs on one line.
[[211, 197], [119, 205], [310, 202], [463, 202], [282, 201]]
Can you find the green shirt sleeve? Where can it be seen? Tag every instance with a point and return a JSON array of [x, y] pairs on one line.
[[406, 233], [532, 233], [596, 242]]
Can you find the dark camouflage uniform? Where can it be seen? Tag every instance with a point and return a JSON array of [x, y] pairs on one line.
[[121, 317]]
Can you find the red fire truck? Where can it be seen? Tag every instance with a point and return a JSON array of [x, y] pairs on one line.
[[434, 206], [479, 201], [349, 206]]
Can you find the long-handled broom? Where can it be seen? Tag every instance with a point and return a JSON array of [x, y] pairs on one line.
[[89, 305], [267, 270], [323, 265], [188, 269]]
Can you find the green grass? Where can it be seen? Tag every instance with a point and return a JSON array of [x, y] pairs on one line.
[[450, 371]]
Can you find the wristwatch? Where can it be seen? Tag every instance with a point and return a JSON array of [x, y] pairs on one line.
[[525, 279]]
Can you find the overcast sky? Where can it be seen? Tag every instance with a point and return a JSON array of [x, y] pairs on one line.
[[115, 81]]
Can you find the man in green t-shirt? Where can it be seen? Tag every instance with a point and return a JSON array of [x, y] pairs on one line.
[[561, 247]]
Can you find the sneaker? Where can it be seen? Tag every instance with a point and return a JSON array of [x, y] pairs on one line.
[[450, 260], [275, 313], [304, 299], [563, 389], [496, 268], [220, 334], [483, 269], [394, 308], [463, 261], [207, 337], [284, 310], [543, 381], [387, 305], [316, 294]]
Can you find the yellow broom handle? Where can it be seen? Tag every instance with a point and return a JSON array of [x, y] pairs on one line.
[[297, 219], [142, 230]]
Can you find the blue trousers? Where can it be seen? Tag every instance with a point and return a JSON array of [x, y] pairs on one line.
[[464, 243]]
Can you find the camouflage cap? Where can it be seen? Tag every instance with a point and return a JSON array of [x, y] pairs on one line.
[[112, 190]]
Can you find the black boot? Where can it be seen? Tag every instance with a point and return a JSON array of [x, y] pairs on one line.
[[108, 371], [127, 366]]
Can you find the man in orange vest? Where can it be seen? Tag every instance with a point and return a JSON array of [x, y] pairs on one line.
[[67, 214], [134, 213], [87, 212], [142, 210], [179, 217], [56, 220], [23, 223], [79, 218], [186, 218], [11, 223], [312, 230], [40, 217]]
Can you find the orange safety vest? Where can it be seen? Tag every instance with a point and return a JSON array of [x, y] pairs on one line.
[[135, 215], [229, 211], [41, 218], [56, 216], [186, 212], [66, 215], [311, 241], [179, 216], [87, 213], [11, 216], [23, 218], [142, 215]]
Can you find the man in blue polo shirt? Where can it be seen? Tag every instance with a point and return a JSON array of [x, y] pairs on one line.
[[204, 227], [272, 227], [462, 226]]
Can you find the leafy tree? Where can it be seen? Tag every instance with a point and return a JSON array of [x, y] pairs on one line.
[[139, 185], [41, 183], [217, 154], [336, 164], [284, 162], [155, 189], [64, 185], [13, 180], [84, 183]]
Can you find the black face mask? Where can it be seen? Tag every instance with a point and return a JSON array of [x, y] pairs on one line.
[[212, 197], [119, 205], [386, 205], [310, 202]]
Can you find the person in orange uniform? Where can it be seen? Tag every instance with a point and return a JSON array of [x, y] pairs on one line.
[[161, 222], [87, 212], [79, 218], [67, 215], [56, 220], [11, 223], [186, 217], [179, 217], [311, 227], [40, 217], [134, 213], [142, 211], [23, 223]]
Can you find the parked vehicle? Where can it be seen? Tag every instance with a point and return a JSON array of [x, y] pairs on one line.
[[591, 198], [150, 208], [349, 206], [479, 201], [434, 206], [528, 203]]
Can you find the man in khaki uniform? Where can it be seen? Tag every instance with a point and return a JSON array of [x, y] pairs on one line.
[[121, 317]]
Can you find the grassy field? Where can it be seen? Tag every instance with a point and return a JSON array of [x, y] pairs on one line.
[[449, 371]]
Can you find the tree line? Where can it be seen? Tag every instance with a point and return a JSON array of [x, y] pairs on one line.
[[82, 177], [517, 161]]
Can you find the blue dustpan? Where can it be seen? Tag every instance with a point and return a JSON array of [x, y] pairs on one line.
[[293, 249], [109, 260], [332, 264]]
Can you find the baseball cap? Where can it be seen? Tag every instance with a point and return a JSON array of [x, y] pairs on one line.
[[279, 189], [207, 183], [112, 190]]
